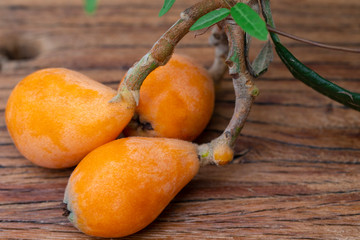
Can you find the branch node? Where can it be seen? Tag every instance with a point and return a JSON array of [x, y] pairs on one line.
[[254, 91], [184, 16]]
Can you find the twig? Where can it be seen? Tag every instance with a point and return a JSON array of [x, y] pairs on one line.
[[318, 44], [218, 39]]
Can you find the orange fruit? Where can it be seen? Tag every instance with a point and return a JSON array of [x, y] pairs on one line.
[[56, 116], [122, 186], [176, 101]]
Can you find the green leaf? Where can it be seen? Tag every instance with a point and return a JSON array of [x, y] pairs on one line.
[[249, 21], [90, 6], [166, 7], [210, 18], [263, 59], [314, 80]]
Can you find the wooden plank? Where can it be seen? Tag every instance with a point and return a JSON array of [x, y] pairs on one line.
[[296, 170]]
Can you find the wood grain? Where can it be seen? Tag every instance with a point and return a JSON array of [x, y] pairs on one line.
[[297, 171]]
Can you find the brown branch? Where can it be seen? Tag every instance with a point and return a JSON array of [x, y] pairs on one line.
[[162, 50], [220, 150]]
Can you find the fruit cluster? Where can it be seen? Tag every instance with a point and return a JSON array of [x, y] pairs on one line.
[[58, 118]]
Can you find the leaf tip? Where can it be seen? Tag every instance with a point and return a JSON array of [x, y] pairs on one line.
[[166, 7], [162, 13]]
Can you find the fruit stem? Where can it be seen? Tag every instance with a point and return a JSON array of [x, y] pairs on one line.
[[220, 150], [162, 50]]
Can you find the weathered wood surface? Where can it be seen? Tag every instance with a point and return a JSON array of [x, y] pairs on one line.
[[297, 173]]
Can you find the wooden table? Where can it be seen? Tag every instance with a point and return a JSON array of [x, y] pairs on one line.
[[297, 170]]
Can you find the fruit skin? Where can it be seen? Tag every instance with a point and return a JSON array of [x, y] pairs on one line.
[[122, 186], [176, 101], [56, 116]]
